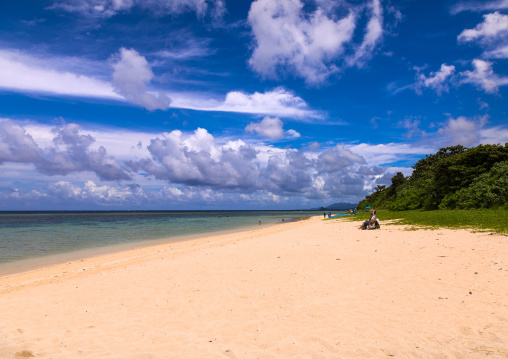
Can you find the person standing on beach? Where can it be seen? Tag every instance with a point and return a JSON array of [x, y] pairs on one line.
[[260, 221]]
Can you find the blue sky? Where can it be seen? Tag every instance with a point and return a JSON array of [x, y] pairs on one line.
[[217, 104]]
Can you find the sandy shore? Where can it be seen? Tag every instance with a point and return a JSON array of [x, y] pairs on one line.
[[310, 289]]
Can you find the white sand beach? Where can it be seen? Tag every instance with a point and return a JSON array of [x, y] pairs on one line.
[[308, 289]]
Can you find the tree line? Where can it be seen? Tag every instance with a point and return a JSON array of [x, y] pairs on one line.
[[454, 177]]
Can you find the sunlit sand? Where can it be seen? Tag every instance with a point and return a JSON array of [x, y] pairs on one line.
[[309, 289]]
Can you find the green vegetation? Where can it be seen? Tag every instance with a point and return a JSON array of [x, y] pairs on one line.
[[456, 187], [453, 178], [495, 220]]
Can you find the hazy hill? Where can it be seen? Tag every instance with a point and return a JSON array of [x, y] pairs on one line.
[[336, 206]]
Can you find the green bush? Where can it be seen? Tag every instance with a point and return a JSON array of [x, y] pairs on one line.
[[454, 177], [489, 190]]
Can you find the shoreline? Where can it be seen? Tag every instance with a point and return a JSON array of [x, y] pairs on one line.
[[34, 263], [310, 288]]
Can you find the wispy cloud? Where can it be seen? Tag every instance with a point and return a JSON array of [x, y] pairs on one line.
[[131, 77], [437, 80], [494, 26], [479, 6], [483, 77], [27, 73], [109, 8]]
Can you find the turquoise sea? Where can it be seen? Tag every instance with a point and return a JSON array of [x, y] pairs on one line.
[[32, 239]]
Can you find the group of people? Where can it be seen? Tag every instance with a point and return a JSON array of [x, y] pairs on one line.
[[351, 213], [372, 223]]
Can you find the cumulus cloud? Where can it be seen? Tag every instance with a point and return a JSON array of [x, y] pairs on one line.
[[16, 145], [491, 35], [437, 80], [278, 102], [483, 77], [310, 44], [185, 167], [271, 127], [462, 131], [337, 159], [70, 152], [109, 8], [91, 192], [198, 160], [131, 75], [237, 167]]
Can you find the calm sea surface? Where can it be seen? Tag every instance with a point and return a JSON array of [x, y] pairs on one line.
[[31, 239]]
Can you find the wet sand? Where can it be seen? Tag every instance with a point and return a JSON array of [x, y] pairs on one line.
[[309, 289]]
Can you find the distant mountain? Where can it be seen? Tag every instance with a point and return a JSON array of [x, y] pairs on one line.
[[336, 206]]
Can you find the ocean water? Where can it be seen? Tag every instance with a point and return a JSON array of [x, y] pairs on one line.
[[32, 239]]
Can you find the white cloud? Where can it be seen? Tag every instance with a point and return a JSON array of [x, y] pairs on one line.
[[491, 34], [462, 131], [20, 72], [479, 6], [372, 36], [271, 127], [70, 152], [293, 134], [91, 192], [109, 8], [494, 135], [483, 76], [412, 126], [437, 81], [28, 73], [383, 154], [131, 75], [493, 26], [278, 102], [500, 52], [309, 45], [186, 167]]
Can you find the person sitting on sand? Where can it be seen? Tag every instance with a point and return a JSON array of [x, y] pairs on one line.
[[372, 220]]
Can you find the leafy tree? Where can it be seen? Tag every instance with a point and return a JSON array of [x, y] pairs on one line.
[[489, 190], [453, 177], [397, 181]]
